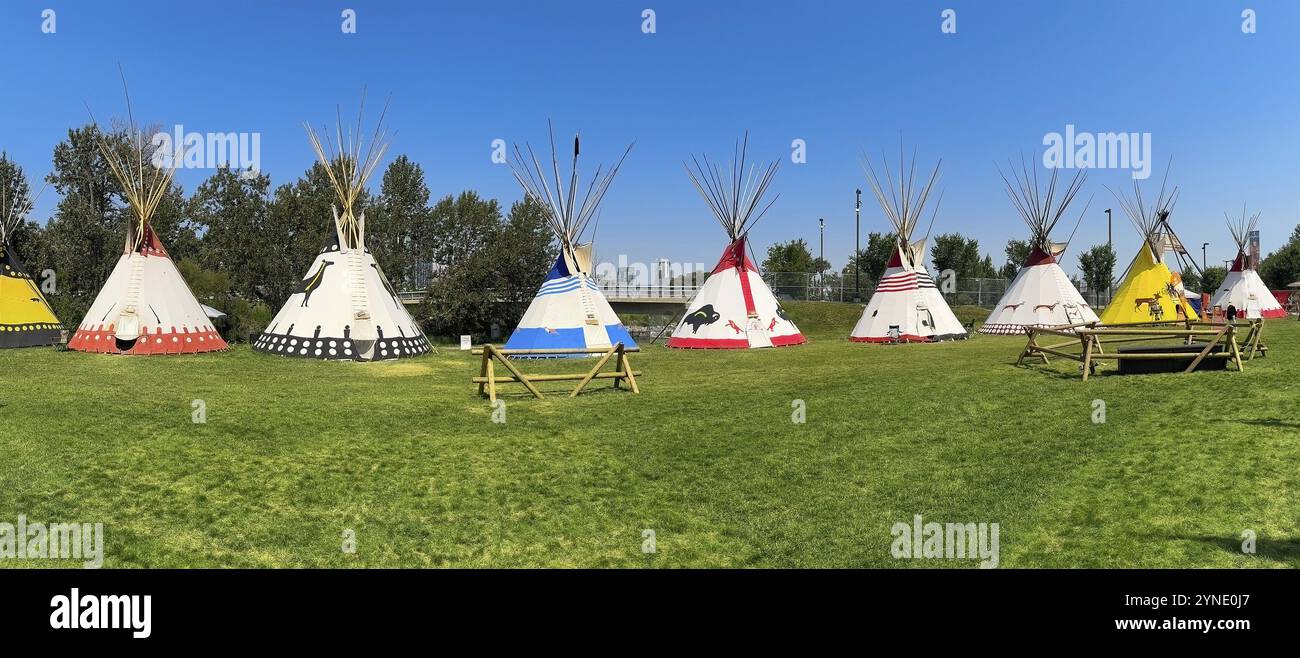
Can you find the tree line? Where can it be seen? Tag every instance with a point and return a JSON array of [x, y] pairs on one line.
[[243, 245]]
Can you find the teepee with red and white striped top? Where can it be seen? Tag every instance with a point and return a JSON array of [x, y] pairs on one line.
[[906, 306], [1242, 287], [1041, 295], [735, 309], [145, 307]]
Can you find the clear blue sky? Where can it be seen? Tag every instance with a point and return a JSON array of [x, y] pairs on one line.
[[844, 76]]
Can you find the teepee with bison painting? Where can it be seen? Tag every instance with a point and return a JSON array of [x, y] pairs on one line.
[[345, 309], [1041, 295], [735, 309], [906, 306], [145, 307]]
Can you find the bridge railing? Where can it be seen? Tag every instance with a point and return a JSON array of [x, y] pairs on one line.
[[632, 291]]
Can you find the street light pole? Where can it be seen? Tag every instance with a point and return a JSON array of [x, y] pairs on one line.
[[1110, 244], [857, 246], [1203, 246], [821, 274]]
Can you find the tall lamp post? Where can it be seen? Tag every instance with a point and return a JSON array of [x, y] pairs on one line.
[[857, 249], [821, 275], [1203, 246], [1110, 244]]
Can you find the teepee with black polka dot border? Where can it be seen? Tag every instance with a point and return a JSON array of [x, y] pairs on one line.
[[345, 309]]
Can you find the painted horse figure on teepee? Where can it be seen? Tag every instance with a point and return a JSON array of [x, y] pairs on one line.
[[1150, 291], [26, 319], [145, 307], [735, 309], [1041, 294], [345, 309], [906, 306], [569, 311]]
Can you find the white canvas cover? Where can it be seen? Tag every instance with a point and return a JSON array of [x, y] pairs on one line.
[[735, 309], [569, 311], [1244, 289], [344, 309], [906, 307], [145, 308], [1041, 295]]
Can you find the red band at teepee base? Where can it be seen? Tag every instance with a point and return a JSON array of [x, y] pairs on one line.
[[732, 343], [103, 340]]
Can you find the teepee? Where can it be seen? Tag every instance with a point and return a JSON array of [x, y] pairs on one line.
[[1150, 291], [906, 306], [1041, 295], [26, 319], [144, 307], [344, 309], [569, 311], [1242, 287], [735, 309]]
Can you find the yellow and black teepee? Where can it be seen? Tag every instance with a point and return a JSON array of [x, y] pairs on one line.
[[1150, 291], [26, 319]]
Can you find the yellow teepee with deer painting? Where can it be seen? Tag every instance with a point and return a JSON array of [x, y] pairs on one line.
[[1150, 292]]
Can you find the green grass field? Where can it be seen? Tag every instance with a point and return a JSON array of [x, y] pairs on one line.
[[406, 455]]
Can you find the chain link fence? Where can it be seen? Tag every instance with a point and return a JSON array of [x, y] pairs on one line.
[[838, 288]]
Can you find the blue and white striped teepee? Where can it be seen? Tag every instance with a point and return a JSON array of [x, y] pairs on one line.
[[569, 310]]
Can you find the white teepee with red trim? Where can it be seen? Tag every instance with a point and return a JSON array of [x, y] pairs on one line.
[[1242, 287], [1041, 295], [145, 307], [734, 309], [905, 306]]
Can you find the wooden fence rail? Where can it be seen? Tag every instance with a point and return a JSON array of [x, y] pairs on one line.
[[1090, 340], [488, 379]]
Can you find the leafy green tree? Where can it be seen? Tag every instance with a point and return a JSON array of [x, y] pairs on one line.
[[1282, 267], [880, 248], [956, 252], [1017, 252], [1098, 267], [233, 209], [460, 295], [1210, 279], [523, 253], [84, 238], [400, 221], [793, 256]]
